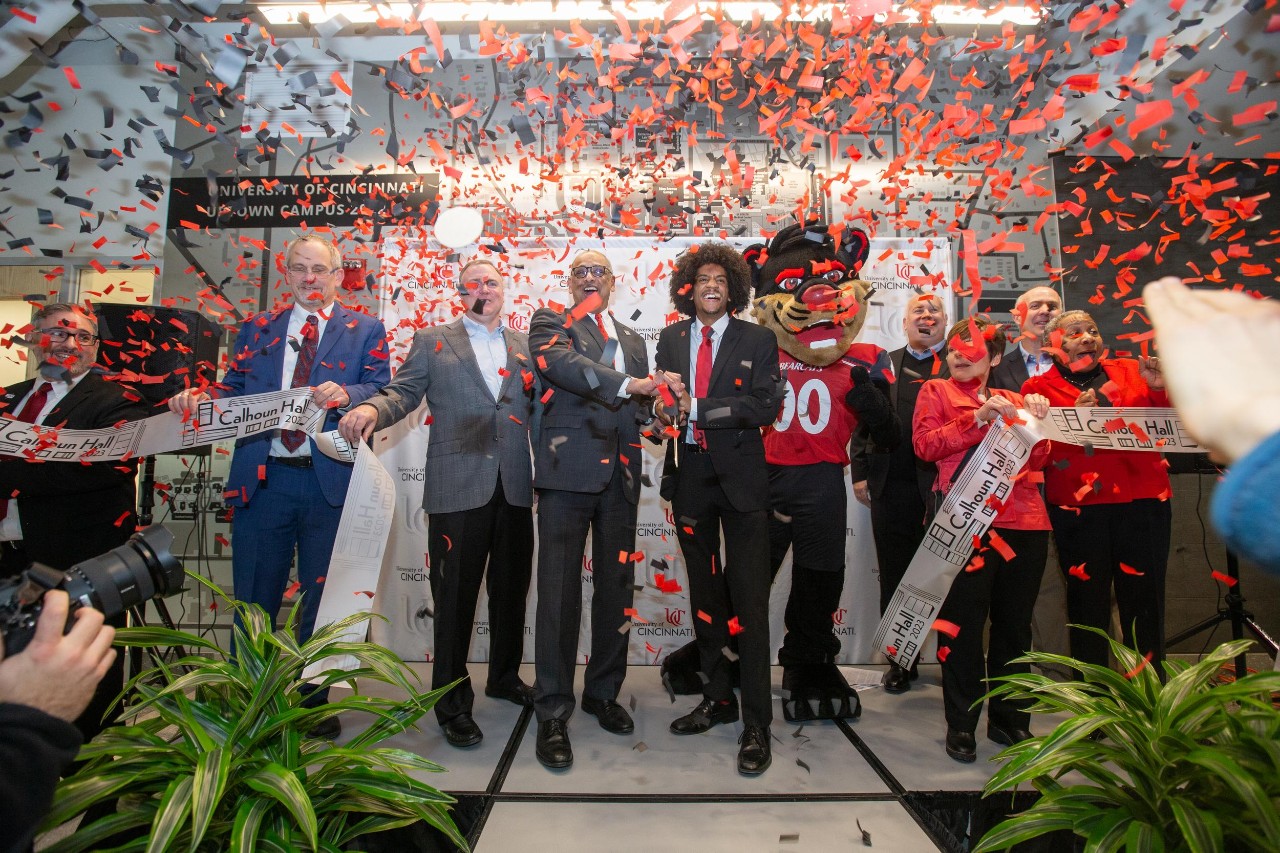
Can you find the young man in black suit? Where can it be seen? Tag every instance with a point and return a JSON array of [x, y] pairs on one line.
[[716, 465], [62, 513]]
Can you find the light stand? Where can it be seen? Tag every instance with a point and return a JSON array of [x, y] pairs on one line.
[[1235, 613], [137, 615]]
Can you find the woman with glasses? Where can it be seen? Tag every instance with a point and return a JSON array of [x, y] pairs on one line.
[[1109, 508]]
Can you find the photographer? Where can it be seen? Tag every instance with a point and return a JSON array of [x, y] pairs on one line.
[[42, 690]]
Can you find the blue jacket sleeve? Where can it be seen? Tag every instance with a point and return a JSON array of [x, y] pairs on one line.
[[1246, 506]]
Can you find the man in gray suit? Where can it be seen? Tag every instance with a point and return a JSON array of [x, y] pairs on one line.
[[587, 464], [475, 375]]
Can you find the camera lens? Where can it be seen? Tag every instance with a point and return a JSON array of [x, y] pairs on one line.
[[127, 576]]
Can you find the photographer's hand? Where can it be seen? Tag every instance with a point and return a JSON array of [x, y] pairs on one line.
[[57, 673]]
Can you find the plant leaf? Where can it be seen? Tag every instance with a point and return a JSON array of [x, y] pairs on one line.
[[174, 808], [283, 786]]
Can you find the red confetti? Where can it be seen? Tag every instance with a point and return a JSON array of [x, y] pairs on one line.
[[942, 626], [1001, 546], [1078, 572], [1130, 570], [943, 653], [365, 592], [1227, 579], [734, 627], [292, 590], [704, 616], [1146, 659]]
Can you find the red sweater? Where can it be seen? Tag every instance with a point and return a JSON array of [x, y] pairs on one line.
[[944, 428], [1074, 478]]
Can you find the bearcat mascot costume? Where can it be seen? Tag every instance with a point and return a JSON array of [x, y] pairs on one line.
[[807, 294]]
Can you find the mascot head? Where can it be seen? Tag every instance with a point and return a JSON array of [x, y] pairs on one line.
[[807, 292]]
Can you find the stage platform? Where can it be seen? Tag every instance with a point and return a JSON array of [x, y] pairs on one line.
[[885, 775]]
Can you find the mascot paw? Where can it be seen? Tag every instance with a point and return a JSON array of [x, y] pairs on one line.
[[817, 692]]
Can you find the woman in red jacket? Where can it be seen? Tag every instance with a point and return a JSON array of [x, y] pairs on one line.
[[952, 416], [1109, 508]]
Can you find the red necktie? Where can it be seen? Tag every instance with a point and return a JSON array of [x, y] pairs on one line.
[[600, 323], [293, 438], [30, 411], [702, 384]]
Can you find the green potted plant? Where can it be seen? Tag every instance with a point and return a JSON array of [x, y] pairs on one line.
[[214, 754], [1179, 765]]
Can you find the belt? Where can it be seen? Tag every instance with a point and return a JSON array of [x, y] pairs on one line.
[[691, 447], [291, 461]]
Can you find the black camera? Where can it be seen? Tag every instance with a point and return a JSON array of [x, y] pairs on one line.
[[132, 574]]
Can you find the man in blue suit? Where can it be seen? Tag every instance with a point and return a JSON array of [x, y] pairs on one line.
[[286, 496]]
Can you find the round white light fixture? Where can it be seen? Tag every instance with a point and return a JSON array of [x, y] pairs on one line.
[[459, 226]]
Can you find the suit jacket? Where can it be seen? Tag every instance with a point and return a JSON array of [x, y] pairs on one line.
[[870, 462], [71, 511], [586, 428], [352, 353], [1011, 372], [743, 396], [475, 440]]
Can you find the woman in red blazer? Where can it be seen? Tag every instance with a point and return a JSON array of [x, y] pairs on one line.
[[952, 416], [1109, 508]]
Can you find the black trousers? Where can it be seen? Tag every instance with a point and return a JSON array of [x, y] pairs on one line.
[[1004, 591], [461, 544], [808, 518], [1101, 537], [737, 587], [564, 518], [898, 524]]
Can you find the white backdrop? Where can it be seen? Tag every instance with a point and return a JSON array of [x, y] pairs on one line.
[[417, 290]]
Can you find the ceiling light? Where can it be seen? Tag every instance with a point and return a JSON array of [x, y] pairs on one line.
[[551, 11]]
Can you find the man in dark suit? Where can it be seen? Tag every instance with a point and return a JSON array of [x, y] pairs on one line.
[[62, 513], [1033, 311], [286, 497], [587, 474], [716, 466], [893, 482], [479, 385]]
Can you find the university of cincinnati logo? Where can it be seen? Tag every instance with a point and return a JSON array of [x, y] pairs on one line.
[[672, 625], [839, 615], [519, 322]]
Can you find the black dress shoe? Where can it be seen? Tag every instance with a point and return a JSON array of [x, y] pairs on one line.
[[521, 694], [553, 747], [961, 746], [896, 680], [612, 716], [754, 754], [326, 729], [708, 713], [1007, 735], [461, 731]]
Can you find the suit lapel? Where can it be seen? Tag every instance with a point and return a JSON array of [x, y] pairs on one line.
[[513, 365], [79, 393], [334, 329], [460, 342], [897, 358]]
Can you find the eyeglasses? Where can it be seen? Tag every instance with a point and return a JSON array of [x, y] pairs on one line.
[[597, 271], [299, 271], [60, 336]]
